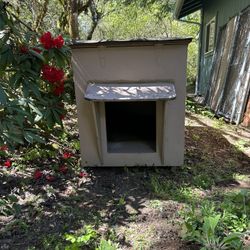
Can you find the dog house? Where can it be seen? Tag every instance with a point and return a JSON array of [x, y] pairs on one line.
[[131, 101]]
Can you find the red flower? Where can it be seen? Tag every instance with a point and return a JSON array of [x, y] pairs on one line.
[[24, 49], [83, 174], [63, 169], [47, 40], [67, 155], [38, 174], [50, 177], [52, 74], [62, 117], [59, 89], [58, 42], [8, 163], [4, 148], [37, 50]]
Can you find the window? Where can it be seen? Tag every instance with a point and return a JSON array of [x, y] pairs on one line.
[[210, 36]]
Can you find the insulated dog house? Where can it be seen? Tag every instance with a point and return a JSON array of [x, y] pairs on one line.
[[131, 101]]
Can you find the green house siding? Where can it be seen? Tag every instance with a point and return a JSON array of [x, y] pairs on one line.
[[223, 10]]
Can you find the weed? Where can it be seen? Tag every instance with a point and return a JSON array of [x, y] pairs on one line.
[[107, 245], [86, 237], [156, 204], [51, 242], [169, 189], [196, 108], [203, 181], [219, 226]]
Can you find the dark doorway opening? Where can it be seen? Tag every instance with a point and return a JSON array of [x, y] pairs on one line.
[[131, 127]]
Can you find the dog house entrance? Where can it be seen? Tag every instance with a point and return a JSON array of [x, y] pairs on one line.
[[131, 127], [132, 112]]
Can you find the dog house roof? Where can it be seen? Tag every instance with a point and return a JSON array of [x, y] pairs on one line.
[[130, 91], [130, 43]]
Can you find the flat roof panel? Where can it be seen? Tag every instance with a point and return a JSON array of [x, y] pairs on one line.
[[130, 91], [130, 43]]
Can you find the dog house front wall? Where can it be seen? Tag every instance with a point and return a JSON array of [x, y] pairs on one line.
[[131, 62]]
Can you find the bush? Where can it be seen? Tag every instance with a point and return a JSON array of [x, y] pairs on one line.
[[31, 81]]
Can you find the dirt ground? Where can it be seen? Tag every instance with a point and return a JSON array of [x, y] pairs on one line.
[[124, 202]]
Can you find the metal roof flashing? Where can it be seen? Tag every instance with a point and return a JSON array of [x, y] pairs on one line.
[[130, 43], [115, 92]]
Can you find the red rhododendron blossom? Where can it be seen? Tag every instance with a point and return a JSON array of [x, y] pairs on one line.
[[38, 174], [50, 177], [24, 50], [4, 148], [52, 74], [59, 89], [47, 41], [58, 42], [8, 163], [63, 169], [83, 174], [67, 155]]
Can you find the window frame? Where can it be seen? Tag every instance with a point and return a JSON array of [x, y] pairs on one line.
[[208, 33]]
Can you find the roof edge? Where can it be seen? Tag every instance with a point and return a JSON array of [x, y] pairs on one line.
[[130, 43], [178, 7]]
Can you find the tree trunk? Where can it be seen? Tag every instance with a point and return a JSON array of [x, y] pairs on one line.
[[41, 16], [73, 20]]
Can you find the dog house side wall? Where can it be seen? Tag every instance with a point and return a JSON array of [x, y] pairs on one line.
[[131, 64]]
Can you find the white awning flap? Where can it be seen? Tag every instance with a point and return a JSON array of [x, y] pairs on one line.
[[113, 92]]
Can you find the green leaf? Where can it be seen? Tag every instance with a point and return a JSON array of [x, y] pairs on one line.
[[57, 117], [37, 55], [232, 237], [31, 137], [3, 96], [35, 109], [210, 224]]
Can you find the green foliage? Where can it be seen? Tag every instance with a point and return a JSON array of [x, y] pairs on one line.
[[36, 153], [90, 239], [9, 205], [198, 109], [85, 238], [218, 226], [27, 106], [107, 245], [203, 181], [169, 189]]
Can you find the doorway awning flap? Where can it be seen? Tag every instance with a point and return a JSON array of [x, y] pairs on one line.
[[112, 92]]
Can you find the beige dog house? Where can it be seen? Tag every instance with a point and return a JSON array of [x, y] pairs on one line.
[[131, 101]]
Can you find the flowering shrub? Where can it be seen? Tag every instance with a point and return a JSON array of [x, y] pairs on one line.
[[49, 42], [52, 74], [32, 82]]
